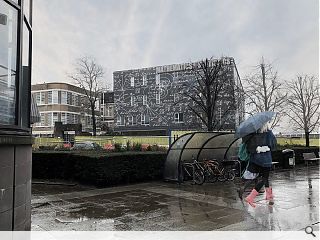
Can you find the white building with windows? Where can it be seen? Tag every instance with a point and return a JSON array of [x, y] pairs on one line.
[[61, 102]]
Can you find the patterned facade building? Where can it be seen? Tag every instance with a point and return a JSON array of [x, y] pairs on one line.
[[152, 99]]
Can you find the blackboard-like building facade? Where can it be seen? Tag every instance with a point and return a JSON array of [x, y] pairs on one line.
[[151, 100]]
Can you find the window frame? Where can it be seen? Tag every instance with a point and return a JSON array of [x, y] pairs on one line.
[[178, 117], [144, 100]]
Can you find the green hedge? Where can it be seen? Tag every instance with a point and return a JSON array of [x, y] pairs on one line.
[[99, 169]]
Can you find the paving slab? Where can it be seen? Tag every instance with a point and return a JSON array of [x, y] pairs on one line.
[[168, 206]]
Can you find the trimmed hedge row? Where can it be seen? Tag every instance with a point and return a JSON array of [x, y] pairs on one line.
[[99, 170]]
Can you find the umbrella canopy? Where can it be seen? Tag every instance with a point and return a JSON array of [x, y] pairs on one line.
[[253, 123]]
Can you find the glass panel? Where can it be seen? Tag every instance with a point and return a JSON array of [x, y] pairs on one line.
[[199, 139], [26, 9], [63, 97], [171, 165], [181, 141], [220, 141], [233, 150], [8, 53], [25, 80], [217, 154], [49, 118], [55, 96], [49, 97], [189, 154], [54, 118]]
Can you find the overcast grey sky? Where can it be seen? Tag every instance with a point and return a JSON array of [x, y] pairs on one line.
[[126, 34]]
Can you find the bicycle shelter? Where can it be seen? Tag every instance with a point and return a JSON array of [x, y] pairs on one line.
[[200, 146]]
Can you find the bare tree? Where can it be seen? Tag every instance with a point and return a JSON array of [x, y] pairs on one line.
[[210, 90], [264, 92], [303, 104], [88, 75]]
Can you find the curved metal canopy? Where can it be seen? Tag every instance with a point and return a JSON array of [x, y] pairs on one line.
[[199, 146]]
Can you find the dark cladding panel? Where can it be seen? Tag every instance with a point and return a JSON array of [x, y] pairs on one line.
[[154, 98]]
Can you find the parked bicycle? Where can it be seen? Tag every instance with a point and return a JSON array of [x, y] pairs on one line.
[[213, 171], [195, 171]]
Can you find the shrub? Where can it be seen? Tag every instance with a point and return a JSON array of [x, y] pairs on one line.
[[97, 168], [136, 147], [144, 147], [118, 147], [128, 146], [49, 147], [109, 147]]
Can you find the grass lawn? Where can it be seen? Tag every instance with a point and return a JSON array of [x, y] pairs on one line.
[[159, 140], [297, 141]]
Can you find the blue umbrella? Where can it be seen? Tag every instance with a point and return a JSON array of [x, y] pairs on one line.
[[253, 123]]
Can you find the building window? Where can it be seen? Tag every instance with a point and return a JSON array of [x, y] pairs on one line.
[[49, 119], [77, 99], [63, 118], [145, 119], [130, 120], [64, 97], [55, 97], [75, 119], [120, 120], [43, 98], [55, 118], [49, 97], [131, 100], [134, 120], [109, 111], [97, 105], [8, 62], [144, 100], [74, 97], [158, 79], [69, 118], [42, 119], [178, 117], [158, 98], [38, 98], [69, 98], [144, 80], [132, 81]]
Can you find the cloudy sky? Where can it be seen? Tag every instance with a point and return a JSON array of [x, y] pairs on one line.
[[126, 34]]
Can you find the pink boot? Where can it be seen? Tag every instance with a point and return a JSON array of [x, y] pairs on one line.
[[269, 195], [250, 198]]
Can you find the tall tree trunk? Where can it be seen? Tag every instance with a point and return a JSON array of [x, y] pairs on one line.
[[210, 127], [94, 127], [307, 138], [264, 86]]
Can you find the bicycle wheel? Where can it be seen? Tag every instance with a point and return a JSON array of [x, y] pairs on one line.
[[230, 175], [211, 177], [222, 177], [198, 177]]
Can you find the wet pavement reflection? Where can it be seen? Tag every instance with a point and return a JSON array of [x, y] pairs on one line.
[[159, 206]]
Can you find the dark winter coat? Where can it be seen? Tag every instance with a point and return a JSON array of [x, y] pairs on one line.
[[263, 159]]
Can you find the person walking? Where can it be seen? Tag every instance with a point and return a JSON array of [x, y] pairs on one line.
[[259, 146]]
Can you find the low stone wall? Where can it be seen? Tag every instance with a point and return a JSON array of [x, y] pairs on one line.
[[99, 169]]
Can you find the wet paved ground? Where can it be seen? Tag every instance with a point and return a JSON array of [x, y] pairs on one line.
[[161, 206]]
